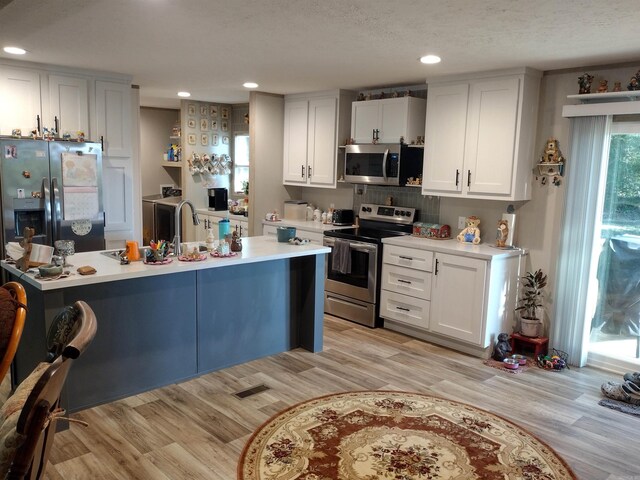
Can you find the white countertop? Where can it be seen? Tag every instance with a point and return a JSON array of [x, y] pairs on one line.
[[254, 249], [308, 226], [485, 251]]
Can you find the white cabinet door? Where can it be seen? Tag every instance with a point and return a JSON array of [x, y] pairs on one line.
[[457, 297], [69, 103], [20, 102], [446, 123], [364, 120], [296, 115], [392, 120], [322, 146], [490, 148], [113, 117]]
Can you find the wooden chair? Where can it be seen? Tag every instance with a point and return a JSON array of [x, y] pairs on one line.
[[36, 400], [14, 313]]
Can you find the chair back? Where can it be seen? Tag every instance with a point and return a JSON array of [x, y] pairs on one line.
[[16, 312], [71, 332]]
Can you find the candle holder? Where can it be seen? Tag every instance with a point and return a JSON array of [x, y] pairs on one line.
[[65, 249]]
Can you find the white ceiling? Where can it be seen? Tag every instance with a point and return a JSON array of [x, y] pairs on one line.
[[210, 47]]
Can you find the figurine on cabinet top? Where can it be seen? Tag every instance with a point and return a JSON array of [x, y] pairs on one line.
[[603, 87], [617, 86], [552, 153], [585, 83], [471, 233], [503, 233], [633, 84]]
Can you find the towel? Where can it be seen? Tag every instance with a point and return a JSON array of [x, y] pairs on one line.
[[341, 257]]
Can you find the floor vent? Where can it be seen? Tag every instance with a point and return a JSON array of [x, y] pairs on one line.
[[251, 391]]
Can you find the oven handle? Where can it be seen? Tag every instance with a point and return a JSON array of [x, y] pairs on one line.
[[358, 246]]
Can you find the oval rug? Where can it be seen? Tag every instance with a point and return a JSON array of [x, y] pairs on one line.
[[394, 435]]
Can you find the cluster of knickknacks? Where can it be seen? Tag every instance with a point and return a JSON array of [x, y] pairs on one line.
[[585, 82], [395, 94]]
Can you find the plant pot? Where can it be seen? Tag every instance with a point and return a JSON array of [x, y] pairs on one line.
[[530, 327]]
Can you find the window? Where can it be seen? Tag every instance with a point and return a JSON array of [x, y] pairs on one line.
[[241, 163]]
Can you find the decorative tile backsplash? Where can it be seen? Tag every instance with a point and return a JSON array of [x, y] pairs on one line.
[[428, 207]]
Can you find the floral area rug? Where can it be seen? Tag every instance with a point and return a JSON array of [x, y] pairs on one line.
[[378, 435]]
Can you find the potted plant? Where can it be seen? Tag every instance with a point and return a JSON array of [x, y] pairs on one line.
[[530, 303]]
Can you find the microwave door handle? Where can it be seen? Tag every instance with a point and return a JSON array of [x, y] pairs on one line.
[[384, 164], [55, 204], [46, 195]]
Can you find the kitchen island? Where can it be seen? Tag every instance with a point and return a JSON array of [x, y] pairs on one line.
[[160, 324]]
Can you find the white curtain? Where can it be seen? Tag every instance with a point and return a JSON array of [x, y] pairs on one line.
[[588, 145]]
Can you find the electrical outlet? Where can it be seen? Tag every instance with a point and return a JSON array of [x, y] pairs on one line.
[[462, 222]]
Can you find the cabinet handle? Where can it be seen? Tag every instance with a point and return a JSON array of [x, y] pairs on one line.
[[457, 177], [403, 309], [309, 171], [405, 258], [55, 125], [404, 281], [302, 167], [377, 134], [469, 178], [373, 134], [102, 143], [38, 123], [436, 271]]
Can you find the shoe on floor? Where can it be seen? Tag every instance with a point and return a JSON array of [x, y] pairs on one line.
[[633, 378], [627, 392]]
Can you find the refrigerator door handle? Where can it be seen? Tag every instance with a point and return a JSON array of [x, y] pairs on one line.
[[55, 205], [47, 209]]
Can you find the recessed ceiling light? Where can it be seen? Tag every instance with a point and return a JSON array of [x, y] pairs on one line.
[[429, 59], [184, 94], [15, 50], [250, 85]]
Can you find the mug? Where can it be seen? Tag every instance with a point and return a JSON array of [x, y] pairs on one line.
[[132, 250]]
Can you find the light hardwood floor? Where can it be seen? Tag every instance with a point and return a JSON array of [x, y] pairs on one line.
[[197, 429]]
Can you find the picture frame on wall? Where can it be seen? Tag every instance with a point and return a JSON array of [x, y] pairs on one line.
[[214, 125], [191, 109], [204, 139], [224, 112], [225, 140], [203, 110], [204, 124], [224, 126], [214, 139], [191, 139], [191, 123], [213, 111]]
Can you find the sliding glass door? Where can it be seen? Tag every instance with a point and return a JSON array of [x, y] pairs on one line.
[[614, 340]]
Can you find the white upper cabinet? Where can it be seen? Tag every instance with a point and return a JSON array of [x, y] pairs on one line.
[[113, 117], [69, 104], [388, 119], [480, 135], [313, 125], [20, 101]]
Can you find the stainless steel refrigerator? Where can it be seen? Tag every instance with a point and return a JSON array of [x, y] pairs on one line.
[[53, 187]]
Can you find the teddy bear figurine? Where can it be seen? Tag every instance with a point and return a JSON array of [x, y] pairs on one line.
[[503, 233], [502, 348], [552, 153], [471, 233]]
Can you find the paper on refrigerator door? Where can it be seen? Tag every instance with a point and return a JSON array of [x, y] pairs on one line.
[[79, 170], [81, 203]]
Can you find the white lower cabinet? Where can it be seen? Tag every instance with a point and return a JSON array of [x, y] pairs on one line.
[[458, 292], [451, 299]]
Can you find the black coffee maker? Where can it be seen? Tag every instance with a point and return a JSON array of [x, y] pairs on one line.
[[218, 198]]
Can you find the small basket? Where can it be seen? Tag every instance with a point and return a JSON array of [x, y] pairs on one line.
[[557, 360]]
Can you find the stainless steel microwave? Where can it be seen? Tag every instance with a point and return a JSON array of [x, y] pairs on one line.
[[382, 164]]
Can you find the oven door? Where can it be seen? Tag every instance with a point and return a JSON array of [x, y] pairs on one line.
[[361, 282]]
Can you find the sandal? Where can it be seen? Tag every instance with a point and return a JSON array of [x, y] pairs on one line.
[[624, 392], [633, 378]]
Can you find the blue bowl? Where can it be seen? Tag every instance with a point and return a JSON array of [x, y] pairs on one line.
[[285, 234]]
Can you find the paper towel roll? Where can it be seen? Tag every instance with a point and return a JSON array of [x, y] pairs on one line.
[[511, 220]]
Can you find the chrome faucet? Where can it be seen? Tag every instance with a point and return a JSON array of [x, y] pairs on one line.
[[177, 250]]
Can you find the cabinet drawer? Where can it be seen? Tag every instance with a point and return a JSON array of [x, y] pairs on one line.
[[408, 257], [416, 283], [404, 309]]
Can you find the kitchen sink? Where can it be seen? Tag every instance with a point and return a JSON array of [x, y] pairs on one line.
[[116, 254]]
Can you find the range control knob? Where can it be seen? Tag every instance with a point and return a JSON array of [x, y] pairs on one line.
[[407, 213], [397, 212]]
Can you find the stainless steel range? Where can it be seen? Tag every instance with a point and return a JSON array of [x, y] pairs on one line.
[[352, 269]]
